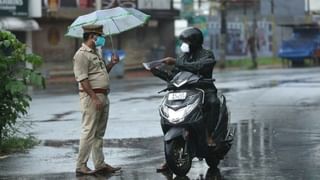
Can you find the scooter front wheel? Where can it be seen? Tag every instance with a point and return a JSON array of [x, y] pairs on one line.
[[177, 157]]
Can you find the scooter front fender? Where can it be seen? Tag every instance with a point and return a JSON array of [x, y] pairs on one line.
[[173, 133]]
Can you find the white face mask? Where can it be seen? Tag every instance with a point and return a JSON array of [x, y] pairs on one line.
[[185, 47]]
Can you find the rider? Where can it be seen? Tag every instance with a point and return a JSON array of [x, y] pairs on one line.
[[199, 61]]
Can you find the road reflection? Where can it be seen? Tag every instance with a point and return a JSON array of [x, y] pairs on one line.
[[211, 174], [261, 150], [252, 151], [253, 143]]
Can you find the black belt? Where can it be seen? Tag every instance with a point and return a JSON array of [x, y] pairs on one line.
[[98, 91]]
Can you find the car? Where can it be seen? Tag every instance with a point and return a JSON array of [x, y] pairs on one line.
[[304, 44]]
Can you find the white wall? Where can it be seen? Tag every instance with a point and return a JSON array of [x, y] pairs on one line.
[[35, 9]]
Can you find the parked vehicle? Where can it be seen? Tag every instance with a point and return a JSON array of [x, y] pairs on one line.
[[304, 44], [184, 128]]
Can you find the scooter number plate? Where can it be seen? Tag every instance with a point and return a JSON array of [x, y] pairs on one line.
[[177, 96]]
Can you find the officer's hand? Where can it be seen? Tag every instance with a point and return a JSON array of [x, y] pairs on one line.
[[97, 103], [114, 58]]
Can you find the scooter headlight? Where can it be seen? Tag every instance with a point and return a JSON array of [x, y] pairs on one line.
[[177, 116], [165, 110]]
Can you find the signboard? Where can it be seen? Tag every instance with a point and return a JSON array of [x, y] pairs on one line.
[[14, 7], [154, 4], [54, 5], [106, 4], [187, 10]]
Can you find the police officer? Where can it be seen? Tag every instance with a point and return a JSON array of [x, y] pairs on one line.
[[91, 73], [199, 61]]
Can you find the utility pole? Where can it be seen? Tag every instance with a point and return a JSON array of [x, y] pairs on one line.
[[308, 6], [255, 24], [213, 7], [308, 17], [245, 20], [98, 4], [223, 32], [273, 25], [253, 39], [272, 7]]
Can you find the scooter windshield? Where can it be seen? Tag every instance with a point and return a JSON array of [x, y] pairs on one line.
[[183, 78]]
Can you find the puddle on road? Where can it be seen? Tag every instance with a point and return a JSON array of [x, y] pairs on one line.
[[45, 159], [141, 98], [58, 117], [267, 84], [143, 143]]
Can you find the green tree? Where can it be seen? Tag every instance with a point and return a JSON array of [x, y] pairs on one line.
[[14, 81]]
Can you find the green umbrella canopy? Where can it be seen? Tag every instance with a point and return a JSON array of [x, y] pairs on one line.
[[114, 21]]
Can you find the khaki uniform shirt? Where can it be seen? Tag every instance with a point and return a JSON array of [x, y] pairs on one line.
[[87, 64]]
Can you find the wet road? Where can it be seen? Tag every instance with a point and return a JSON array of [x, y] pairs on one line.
[[275, 112]]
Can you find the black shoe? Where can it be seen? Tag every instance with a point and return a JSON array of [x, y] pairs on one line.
[[163, 168], [108, 169], [84, 171]]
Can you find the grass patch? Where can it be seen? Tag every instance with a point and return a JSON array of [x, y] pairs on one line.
[[246, 63], [17, 144]]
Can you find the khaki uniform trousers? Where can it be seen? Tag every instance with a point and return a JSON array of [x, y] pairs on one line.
[[94, 124]]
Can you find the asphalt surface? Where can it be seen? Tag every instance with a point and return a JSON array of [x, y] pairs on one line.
[[275, 113]]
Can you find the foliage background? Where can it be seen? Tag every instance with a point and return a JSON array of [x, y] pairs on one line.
[[15, 78]]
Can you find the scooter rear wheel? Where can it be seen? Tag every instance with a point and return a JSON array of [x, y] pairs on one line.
[[212, 162], [178, 162]]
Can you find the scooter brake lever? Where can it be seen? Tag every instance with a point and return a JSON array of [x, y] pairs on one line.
[[163, 90]]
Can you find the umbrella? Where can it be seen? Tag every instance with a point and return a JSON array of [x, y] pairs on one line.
[[114, 21]]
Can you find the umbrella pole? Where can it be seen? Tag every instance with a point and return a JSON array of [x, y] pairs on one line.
[[112, 44], [109, 33]]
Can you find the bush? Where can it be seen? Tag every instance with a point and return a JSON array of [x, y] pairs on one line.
[[246, 63], [17, 144], [15, 78]]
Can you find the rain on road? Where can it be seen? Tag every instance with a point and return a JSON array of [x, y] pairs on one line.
[[275, 113]]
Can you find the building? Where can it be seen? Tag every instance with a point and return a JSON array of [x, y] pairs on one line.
[[151, 41], [18, 17], [264, 17]]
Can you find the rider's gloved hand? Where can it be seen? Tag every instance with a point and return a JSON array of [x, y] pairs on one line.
[[169, 61]]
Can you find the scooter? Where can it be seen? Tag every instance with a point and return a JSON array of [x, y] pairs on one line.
[[184, 127]]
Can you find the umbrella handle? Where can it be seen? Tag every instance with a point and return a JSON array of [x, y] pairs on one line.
[[112, 44]]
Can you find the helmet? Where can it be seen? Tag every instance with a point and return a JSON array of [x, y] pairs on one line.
[[193, 36]]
